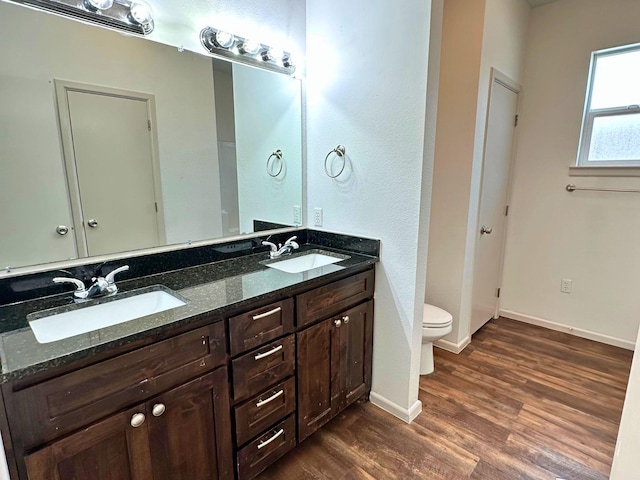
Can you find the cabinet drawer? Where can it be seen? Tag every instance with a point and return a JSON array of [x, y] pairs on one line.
[[253, 416], [266, 449], [264, 366], [252, 329], [60, 405], [330, 299]]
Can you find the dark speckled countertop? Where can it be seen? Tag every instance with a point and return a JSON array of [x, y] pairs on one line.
[[210, 289]]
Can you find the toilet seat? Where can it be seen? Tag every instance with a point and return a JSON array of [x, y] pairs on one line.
[[434, 317]]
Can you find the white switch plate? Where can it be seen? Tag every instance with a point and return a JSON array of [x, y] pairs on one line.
[[317, 217], [297, 215], [565, 285]]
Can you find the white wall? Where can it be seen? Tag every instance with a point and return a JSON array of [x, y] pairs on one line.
[[45, 47], [267, 118], [591, 238], [368, 93], [476, 37]]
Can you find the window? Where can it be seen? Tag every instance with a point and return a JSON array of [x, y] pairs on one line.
[[611, 123]]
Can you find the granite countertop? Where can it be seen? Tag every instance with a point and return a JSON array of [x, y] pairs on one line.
[[210, 289]]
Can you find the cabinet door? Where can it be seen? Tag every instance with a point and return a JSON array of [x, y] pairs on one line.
[[318, 376], [109, 450], [190, 430], [356, 344]]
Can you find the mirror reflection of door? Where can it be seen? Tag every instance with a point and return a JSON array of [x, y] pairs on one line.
[[111, 169]]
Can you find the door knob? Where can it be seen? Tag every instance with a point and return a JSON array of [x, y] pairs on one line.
[[486, 230], [346, 319], [93, 223], [337, 322], [62, 229]]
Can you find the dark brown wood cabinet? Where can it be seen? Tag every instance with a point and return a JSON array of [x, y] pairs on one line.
[[182, 434], [222, 401], [333, 366]]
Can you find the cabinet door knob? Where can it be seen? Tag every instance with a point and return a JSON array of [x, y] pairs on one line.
[[337, 323], [158, 409], [137, 420], [345, 319]]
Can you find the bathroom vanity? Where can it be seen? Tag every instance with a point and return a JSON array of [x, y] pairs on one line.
[[255, 362]]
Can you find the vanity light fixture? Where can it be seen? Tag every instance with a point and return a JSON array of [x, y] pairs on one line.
[[132, 16], [94, 5], [247, 51]]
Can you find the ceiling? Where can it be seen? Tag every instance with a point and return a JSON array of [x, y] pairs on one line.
[[537, 3]]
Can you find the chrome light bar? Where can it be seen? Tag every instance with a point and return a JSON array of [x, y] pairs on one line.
[[243, 50], [131, 16]]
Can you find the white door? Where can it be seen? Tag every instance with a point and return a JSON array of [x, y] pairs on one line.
[[112, 149], [492, 219]]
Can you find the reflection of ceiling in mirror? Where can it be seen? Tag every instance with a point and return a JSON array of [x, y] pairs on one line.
[[183, 129]]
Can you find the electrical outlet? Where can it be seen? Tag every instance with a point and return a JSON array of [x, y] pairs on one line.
[[565, 285], [317, 217], [297, 215]]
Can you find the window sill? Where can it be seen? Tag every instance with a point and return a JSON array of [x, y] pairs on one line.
[[604, 171]]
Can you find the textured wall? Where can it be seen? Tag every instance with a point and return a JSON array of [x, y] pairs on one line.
[[369, 94], [591, 238]]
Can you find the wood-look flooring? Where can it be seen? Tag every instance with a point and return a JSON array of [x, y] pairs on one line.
[[520, 402]]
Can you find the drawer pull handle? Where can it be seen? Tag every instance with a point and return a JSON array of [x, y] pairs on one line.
[[346, 319], [270, 399], [270, 352], [158, 409], [267, 314], [137, 420], [267, 442]]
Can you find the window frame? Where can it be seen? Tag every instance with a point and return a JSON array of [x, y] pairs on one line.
[[589, 116]]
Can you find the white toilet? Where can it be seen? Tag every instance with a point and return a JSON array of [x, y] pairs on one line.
[[436, 323]]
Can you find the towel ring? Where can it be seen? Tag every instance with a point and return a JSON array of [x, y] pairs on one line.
[[339, 151], [278, 155]]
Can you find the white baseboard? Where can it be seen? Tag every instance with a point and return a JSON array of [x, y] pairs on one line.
[[453, 347], [559, 327], [404, 414]]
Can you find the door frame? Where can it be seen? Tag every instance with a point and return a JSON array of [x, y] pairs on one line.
[[62, 87], [506, 82]]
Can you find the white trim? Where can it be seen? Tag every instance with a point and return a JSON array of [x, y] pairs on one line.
[[560, 327], [604, 171], [453, 347], [404, 414]]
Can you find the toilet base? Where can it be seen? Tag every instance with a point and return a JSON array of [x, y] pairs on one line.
[[426, 358]]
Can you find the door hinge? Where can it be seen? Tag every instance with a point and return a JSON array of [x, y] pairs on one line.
[[506, 211], [498, 293], [149, 125], [515, 124], [156, 207]]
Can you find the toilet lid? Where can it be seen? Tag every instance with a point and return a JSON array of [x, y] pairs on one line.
[[435, 317]]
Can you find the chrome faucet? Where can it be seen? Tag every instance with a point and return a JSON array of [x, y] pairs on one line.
[[100, 287], [279, 250]]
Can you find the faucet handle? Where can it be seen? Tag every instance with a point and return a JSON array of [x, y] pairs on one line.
[[291, 240], [273, 246], [78, 283], [110, 278]]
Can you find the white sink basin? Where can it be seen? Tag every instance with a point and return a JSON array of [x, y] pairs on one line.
[[58, 326], [304, 262]]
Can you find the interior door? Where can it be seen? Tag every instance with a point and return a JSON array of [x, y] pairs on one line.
[[501, 124], [112, 146]]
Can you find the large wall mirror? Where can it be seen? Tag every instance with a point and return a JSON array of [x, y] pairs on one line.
[[111, 143]]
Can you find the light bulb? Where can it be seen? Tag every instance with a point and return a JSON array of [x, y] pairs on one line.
[[272, 54], [249, 47], [98, 4], [288, 62], [224, 39], [141, 13]]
